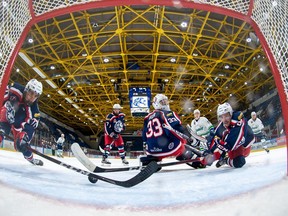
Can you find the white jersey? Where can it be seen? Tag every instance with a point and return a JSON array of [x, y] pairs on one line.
[[256, 125], [60, 140], [201, 127]]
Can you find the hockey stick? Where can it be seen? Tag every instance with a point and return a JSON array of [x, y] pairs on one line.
[[79, 154], [144, 174], [141, 176], [110, 146], [208, 158], [193, 134]]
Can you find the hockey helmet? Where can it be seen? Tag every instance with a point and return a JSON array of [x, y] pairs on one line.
[[224, 108], [253, 114], [161, 102], [117, 106], [34, 85], [196, 111]]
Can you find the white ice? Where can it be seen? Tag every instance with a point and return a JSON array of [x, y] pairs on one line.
[[259, 188]]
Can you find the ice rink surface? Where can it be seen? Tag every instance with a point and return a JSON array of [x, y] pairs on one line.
[[259, 188]]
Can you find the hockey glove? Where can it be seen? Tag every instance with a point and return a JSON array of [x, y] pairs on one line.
[[34, 123], [193, 142], [219, 145], [114, 135], [10, 112]]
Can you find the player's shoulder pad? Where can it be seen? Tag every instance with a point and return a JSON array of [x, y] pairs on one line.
[[17, 85], [109, 116], [237, 115], [169, 113], [37, 115]]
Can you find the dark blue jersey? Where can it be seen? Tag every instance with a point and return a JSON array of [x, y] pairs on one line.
[[160, 140], [238, 133], [23, 113], [114, 123]]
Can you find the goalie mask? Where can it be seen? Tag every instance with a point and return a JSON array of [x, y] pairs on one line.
[[160, 102]]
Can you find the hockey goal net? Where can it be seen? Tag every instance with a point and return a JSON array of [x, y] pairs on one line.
[[267, 17]]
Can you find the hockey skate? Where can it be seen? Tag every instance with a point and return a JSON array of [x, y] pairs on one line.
[[125, 162], [36, 162], [221, 161], [266, 149], [105, 161], [263, 141]]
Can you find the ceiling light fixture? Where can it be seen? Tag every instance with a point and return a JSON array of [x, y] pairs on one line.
[[61, 92], [26, 58], [184, 24], [76, 106], [39, 72], [69, 100], [52, 84]]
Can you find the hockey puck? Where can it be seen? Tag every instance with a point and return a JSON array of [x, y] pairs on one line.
[[92, 179]]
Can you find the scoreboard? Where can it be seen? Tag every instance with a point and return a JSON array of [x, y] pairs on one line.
[[140, 98]]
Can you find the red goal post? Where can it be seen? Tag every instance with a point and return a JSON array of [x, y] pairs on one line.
[[267, 17]]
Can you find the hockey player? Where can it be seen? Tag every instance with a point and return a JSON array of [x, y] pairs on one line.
[[114, 125], [20, 113], [202, 127], [60, 145], [158, 141], [233, 137], [257, 128]]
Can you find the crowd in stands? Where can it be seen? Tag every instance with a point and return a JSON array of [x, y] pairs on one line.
[[48, 132]]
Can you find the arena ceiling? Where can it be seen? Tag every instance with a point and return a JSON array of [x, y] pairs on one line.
[[89, 59]]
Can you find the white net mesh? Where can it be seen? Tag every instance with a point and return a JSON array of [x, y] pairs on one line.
[[272, 19], [270, 15], [43, 6], [241, 6], [14, 16]]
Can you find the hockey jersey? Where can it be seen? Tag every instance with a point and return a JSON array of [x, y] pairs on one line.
[[202, 126], [161, 141], [256, 125], [114, 124], [23, 113], [237, 134]]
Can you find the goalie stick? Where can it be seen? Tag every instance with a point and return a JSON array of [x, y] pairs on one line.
[[144, 174], [140, 177], [79, 154], [208, 158]]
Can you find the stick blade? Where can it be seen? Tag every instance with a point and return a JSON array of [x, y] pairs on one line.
[[151, 168]]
